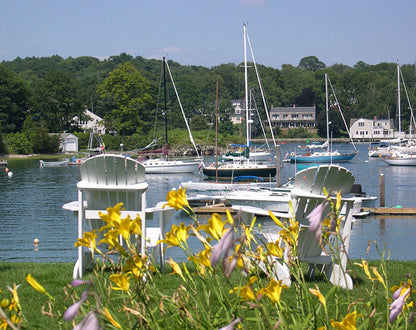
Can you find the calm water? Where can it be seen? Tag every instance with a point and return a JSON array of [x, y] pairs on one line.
[[31, 207]]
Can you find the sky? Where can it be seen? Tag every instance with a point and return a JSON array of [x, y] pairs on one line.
[[210, 32]]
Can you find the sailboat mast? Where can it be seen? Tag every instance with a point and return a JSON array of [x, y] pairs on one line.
[[327, 111], [246, 85], [166, 109], [216, 135], [398, 101]]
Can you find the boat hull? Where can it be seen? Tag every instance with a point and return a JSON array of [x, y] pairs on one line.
[[231, 172], [400, 161], [343, 158], [170, 166]]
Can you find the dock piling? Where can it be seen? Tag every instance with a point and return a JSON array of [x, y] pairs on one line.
[[382, 191]]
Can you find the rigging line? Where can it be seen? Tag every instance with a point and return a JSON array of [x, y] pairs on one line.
[[412, 118], [261, 90], [158, 100], [183, 112], [342, 115], [261, 122]]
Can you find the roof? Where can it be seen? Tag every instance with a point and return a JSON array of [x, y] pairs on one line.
[[293, 109]]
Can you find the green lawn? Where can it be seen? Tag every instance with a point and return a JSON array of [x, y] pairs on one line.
[[55, 278]]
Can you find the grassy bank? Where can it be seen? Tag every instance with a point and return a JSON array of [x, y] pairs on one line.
[[55, 277]]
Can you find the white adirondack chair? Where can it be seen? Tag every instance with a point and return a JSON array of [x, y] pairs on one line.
[[105, 181], [307, 193]]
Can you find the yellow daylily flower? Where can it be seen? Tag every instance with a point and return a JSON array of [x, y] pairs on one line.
[[275, 219], [378, 276], [230, 218], [34, 284], [87, 240], [110, 318], [15, 295], [136, 265], [124, 227], [113, 216], [182, 232], [177, 199], [136, 226], [176, 235], [338, 203], [348, 323], [246, 292], [248, 230], [202, 257], [273, 290], [275, 249], [176, 269], [319, 295], [214, 227], [121, 280], [364, 266]]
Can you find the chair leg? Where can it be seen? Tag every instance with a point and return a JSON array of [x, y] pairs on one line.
[[311, 271], [337, 276]]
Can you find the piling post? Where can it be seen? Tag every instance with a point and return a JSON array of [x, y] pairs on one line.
[[278, 166], [382, 191]]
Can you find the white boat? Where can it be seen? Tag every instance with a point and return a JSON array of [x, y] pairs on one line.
[[56, 163], [329, 156], [400, 159], [400, 147], [238, 183], [244, 166], [165, 165]]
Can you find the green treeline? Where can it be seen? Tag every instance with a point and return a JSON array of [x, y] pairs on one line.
[[43, 95]]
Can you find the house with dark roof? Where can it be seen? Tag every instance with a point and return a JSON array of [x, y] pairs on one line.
[[293, 117]]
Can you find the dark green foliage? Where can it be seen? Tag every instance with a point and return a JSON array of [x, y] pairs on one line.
[[18, 143], [56, 89]]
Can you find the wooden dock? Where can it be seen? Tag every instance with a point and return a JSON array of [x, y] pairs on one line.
[[215, 208], [390, 210]]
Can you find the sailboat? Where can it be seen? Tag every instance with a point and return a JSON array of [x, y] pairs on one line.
[[328, 156], [403, 154], [241, 166], [166, 165]]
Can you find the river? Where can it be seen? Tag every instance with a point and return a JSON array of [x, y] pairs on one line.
[[31, 207]]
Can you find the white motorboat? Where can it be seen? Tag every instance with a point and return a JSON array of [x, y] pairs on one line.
[[56, 163]]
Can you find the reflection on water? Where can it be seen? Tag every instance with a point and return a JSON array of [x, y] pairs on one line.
[[31, 207]]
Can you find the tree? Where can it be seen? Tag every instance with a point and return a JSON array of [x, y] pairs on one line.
[[55, 101], [14, 95], [311, 63], [128, 91]]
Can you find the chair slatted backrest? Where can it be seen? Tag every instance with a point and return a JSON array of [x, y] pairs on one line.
[[309, 194], [107, 175], [304, 178]]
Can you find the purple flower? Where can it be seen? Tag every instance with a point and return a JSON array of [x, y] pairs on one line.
[[231, 325], [90, 322], [72, 310], [315, 218], [77, 283], [396, 293], [229, 264], [225, 243], [397, 305]]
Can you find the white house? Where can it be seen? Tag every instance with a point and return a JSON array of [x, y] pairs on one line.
[[68, 143], [94, 123], [372, 129], [293, 117], [239, 114]]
